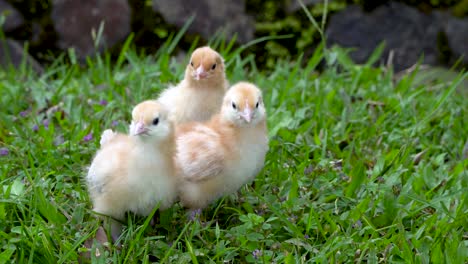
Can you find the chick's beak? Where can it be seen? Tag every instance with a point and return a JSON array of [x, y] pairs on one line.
[[140, 128], [200, 73], [247, 114]]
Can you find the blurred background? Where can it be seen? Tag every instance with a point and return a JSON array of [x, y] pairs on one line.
[[433, 31]]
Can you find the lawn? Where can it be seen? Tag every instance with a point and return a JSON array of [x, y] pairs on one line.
[[365, 165]]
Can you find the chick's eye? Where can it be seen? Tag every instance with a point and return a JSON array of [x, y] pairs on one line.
[[234, 105], [213, 67], [256, 106], [191, 63], [156, 121]]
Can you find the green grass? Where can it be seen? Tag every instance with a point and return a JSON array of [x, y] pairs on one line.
[[364, 165]]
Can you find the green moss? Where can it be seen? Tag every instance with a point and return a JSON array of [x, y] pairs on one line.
[[460, 9], [275, 20], [306, 36]]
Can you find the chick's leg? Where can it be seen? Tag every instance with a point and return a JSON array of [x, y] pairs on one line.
[[112, 226], [116, 230]]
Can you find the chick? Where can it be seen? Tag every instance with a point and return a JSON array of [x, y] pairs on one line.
[[135, 172], [200, 94], [217, 157]]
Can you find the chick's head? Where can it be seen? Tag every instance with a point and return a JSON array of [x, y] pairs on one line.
[[243, 105], [205, 64], [150, 120]]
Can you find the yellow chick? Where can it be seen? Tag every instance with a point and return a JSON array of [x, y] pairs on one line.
[[199, 96], [135, 172], [217, 157]]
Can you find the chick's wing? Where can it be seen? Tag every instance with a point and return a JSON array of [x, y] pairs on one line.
[[200, 154]]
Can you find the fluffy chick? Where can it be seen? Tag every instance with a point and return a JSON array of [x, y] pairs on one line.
[[135, 172], [200, 94], [217, 157]]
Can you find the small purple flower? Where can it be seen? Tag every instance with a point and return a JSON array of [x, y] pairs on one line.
[[292, 218], [358, 224], [46, 123], [103, 102], [195, 214], [24, 113], [257, 253], [4, 151], [35, 128], [115, 123], [88, 137], [306, 236]]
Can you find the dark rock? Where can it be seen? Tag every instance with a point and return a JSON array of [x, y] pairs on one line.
[[211, 15], [456, 31], [36, 32], [406, 31], [12, 54], [13, 18], [75, 22]]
